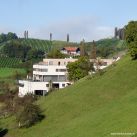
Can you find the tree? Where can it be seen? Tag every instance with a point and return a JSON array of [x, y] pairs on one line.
[[28, 115], [131, 38], [7, 99], [93, 50], [33, 53], [16, 49], [2, 38], [79, 69], [11, 36], [54, 53], [27, 112], [6, 37], [82, 48], [24, 109]]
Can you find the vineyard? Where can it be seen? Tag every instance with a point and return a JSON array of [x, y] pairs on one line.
[[43, 45], [9, 62]]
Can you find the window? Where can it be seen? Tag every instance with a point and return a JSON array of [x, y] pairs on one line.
[[21, 85], [47, 85], [35, 69], [63, 85], [44, 70], [40, 70], [58, 63], [61, 70]]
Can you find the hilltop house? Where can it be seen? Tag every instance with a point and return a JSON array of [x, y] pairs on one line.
[[74, 51], [51, 73]]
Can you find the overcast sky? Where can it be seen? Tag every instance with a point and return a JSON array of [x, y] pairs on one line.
[[88, 19]]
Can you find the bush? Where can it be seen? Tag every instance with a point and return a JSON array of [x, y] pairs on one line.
[[28, 115], [26, 112]]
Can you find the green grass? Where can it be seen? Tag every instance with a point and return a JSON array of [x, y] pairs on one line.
[[9, 72], [91, 108]]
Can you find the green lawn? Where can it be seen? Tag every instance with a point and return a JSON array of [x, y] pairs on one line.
[[91, 108], [8, 72]]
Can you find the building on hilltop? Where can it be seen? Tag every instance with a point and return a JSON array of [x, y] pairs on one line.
[[119, 33]]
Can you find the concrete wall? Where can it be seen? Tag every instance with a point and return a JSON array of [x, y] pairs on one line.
[[26, 86]]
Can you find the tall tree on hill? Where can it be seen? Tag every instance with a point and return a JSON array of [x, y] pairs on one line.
[[93, 51], [26, 33], [82, 48], [67, 37], [50, 37]]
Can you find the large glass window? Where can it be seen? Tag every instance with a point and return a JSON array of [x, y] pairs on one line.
[[61, 70], [54, 78], [40, 70]]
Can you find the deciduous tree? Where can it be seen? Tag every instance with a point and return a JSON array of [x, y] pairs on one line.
[[79, 69], [131, 38]]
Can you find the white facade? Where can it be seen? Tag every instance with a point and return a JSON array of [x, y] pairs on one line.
[[50, 71], [39, 88]]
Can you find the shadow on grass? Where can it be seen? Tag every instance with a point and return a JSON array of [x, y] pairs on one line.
[[41, 117], [3, 132]]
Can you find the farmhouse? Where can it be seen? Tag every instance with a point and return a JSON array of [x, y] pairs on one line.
[[51, 73], [74, 51]]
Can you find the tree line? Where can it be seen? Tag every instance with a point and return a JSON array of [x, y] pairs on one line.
[[16, 49], [7, 37]]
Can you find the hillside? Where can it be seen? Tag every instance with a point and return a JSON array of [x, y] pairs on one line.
[[44, 45], [105, 48], [108, 48], [93, 107], [39, 44]]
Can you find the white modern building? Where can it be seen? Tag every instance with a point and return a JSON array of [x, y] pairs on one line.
[[46, 74], [51, 73]]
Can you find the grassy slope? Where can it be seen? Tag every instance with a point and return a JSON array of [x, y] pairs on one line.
[[90, 108], [8, 72]]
